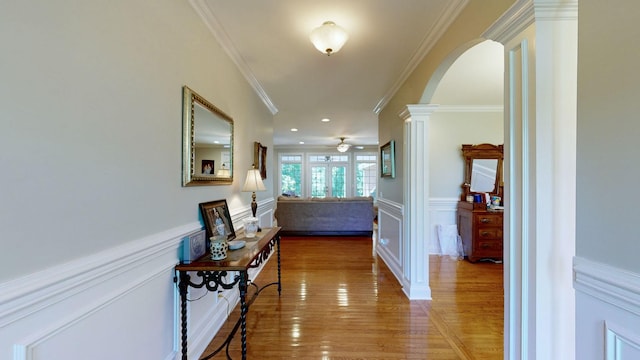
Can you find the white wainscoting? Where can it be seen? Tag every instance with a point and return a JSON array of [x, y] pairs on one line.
[[264, 215], [121, 303], [390, 242], [442, 211], [607, 312]]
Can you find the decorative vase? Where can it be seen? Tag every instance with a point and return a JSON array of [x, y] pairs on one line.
[[219, 247], [250, 227]]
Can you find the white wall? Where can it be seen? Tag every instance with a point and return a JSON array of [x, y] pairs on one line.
[[470, 98], [608, 133], [607, 271], [450, 127], [92, 211]]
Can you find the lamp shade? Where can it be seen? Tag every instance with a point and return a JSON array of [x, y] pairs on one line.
[[254, 181], [328, 38], [223, 172]]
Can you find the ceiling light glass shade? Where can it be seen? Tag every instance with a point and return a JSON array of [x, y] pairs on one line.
[[342, 147], [328, 38]]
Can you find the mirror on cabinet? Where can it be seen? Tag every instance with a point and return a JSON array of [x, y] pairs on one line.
[[482, 169], [207, 136]]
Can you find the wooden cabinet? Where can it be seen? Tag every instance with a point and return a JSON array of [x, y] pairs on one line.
[[481, 231]]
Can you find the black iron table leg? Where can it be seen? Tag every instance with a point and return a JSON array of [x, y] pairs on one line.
[[212, 275], [279, 280], [183, 285], [242, 286]]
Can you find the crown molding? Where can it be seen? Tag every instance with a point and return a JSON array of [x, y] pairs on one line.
[[439, 27], [519, 16], [525, 12], [556, 9], [417, 110], [200, 6], [471, 108]]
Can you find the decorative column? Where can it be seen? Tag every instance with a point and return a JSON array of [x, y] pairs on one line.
[[416, 201], [540, 39]]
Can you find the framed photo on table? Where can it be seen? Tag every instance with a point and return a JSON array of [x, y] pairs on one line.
[[387, 159], [216, 213]]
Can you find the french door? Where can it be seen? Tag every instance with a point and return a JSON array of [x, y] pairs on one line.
[[328, 180]]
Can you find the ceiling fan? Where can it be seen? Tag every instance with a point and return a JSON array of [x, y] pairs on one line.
[[342, 146]]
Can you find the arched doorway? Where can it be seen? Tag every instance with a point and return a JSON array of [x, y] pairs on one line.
[[540, 119]]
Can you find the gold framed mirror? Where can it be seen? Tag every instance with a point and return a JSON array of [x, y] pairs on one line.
[[483, 167], [207, 138]]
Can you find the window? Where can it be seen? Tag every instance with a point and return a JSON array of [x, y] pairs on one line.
[[328, 175], [366, 175], [291, 175]]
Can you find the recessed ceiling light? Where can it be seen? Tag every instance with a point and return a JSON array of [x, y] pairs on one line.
[[325, 120], [301, 143], [359, 147], [294, 129]]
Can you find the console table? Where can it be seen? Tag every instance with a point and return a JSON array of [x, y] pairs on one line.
[[212, 274]]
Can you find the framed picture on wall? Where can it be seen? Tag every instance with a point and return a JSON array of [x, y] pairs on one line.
[[207, 166], [260, 158], [387, 159]]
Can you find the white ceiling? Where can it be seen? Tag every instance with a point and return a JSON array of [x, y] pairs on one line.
[[269, 41]]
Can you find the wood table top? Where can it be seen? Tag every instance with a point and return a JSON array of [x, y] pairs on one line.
[[236, 260]]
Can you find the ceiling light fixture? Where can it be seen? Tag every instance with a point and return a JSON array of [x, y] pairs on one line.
[[328, 38], [342, 147]]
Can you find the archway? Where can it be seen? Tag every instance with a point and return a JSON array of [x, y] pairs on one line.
[[540, 119]]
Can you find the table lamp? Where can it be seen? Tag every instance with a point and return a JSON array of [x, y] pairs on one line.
[[252, 184], [223, 172]]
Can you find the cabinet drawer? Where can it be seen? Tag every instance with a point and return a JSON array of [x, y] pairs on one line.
[[489, 219], [489, 233], [490, 245]]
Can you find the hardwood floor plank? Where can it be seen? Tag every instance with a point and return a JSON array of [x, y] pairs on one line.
[[340, 302]]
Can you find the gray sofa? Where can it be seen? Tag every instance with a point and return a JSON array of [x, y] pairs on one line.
[[325, 216]]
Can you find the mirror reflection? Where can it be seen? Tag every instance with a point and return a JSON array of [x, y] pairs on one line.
[[483, 175], [482, 170], [208, 142]]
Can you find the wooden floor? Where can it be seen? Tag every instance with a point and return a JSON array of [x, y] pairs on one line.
[[340, 302]]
